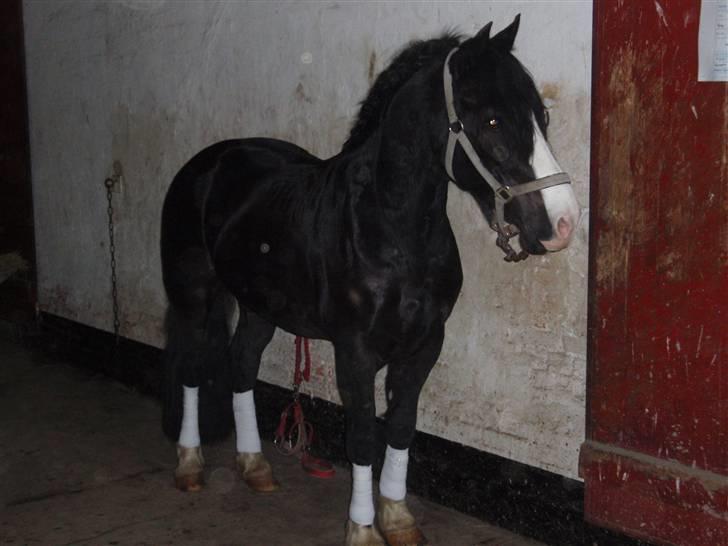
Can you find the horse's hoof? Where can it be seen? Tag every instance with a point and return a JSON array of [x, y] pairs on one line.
[[189, 476], [405, 537], [189, 482], [256, 472], [397, 524], [362, 535]]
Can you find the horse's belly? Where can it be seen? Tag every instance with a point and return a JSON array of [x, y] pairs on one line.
[[273, 283]]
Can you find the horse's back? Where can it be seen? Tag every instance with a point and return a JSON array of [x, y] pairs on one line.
[[255, 157]]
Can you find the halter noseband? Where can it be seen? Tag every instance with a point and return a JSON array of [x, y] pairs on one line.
[[503, 193]]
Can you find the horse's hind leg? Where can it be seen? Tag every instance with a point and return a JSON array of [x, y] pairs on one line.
[[251, 337], [197, 382], [404, 383], [183, 354]]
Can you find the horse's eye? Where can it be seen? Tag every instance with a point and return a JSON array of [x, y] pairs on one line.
[[546, 116], [494, 123]]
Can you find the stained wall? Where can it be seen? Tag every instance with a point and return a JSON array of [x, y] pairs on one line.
[[149, 83]]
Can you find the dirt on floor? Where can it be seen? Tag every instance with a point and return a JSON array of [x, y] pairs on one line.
[[83, 461]]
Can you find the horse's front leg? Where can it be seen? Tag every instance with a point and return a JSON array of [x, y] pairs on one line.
[[356, 367], [250, 339], [404, 383]]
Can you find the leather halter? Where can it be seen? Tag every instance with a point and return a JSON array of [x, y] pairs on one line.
[[502, 192]]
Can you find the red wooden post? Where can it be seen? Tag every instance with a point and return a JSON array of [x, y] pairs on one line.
[[655, 462]]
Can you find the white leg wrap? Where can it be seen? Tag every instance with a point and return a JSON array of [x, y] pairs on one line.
[[189, 434], [393, 481], [246, 425], [361, 509]]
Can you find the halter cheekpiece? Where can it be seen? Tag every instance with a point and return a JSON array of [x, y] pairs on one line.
[[503, 193]]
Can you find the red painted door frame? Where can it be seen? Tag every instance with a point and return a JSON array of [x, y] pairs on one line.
[[655, 462]]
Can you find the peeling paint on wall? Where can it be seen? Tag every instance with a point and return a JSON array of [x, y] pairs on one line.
[[657, 392], [151, 83]]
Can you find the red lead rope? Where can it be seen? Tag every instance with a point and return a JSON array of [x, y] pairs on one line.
[[294, 434], [304, 375]]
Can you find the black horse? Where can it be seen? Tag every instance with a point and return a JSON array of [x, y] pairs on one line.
[[356, 249]]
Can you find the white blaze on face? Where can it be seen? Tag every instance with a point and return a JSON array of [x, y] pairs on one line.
[[560, 202]]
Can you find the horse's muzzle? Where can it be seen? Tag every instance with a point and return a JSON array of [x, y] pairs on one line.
[[563, 233]]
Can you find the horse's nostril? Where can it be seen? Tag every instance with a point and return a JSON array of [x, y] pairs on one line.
[[564, 228], [562, 234]]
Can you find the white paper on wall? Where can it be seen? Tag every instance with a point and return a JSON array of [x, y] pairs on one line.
[[713, 41]]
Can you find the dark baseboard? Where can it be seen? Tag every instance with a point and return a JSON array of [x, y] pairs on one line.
[[527, 500]]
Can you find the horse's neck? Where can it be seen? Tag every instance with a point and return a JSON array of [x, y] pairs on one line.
[[411, 201], [410, 182], [397, 180]]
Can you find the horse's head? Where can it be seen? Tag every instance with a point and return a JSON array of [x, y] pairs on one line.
[[497, 148]]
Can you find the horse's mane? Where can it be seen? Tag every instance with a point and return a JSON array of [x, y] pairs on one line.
[[411, 59]]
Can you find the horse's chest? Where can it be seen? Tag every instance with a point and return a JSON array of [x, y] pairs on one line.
[[401, 318], [400, 308]]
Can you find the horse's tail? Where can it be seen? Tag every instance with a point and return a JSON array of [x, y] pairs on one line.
[[212, 363]]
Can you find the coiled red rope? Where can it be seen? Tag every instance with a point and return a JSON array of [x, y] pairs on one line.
[[294, 434]]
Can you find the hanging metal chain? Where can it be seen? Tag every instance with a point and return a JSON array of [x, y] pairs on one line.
[[109, 183]]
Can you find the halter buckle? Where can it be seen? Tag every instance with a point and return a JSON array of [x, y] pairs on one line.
[[504, 193]]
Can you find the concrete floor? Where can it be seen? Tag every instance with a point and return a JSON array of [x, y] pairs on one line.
[[83, 461]]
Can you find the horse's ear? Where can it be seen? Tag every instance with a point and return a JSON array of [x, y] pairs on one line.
[[505, 38], [484, 33]]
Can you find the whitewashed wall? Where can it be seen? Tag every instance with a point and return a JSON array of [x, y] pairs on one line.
[[149, 83]]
